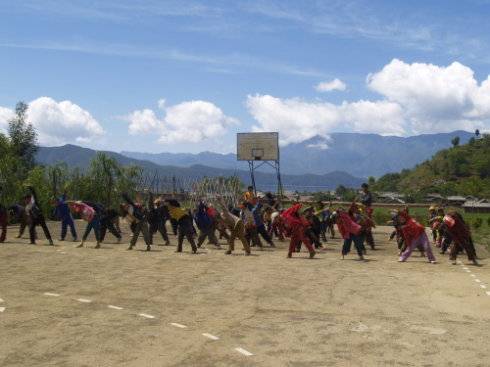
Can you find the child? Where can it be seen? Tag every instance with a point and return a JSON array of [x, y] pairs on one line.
[[62, 211], [236, 227], [137, 218], [461, 236], [88, 214], [350, 232], [297, 226], [414, 235], [36, 217], [184, 222]]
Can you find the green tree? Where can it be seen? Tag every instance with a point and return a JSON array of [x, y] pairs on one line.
[[455, 141], [23, 137]]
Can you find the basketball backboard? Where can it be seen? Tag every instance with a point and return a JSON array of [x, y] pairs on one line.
[[258, 146]]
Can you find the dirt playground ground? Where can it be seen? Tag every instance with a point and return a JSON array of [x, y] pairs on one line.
[[63, 306]]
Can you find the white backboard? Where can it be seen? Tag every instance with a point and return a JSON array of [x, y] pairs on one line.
[[258, 146]]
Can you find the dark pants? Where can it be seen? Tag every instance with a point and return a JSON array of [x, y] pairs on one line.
[[185, 230], [207, 233], [369, 238], [68, 222], [32, 229], [314, 237], [3, 225], [358, 244], [108, 225], [158, 227], [137, 228], [252, 236], [95, 225], [467, 246], [264, 234]]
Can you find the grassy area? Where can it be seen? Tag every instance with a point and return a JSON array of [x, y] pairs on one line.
[[479, 222]]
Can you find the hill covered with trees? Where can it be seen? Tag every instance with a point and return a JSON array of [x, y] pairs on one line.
[[459, 170]]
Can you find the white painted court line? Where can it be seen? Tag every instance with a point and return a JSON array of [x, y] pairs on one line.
[[483, 286], [465, 268], [51, 294], [244, 352], [2, 309], [468, 271], [488, 293], [210, 336], [1, 300], [114, 307], [84, 300], [472, 275], [145, 315], [180, 326], [478, 280]]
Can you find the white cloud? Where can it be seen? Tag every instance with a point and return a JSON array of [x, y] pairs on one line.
[[298, 120], [332, 85], [62, 122], [58, 122], [190, 121], [434, 98], [415, 98], [5, 115]]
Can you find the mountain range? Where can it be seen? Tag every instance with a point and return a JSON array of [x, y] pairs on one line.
[[75, 156], [361, 155]]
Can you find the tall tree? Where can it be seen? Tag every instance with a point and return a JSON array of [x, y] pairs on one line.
[[23, 137]]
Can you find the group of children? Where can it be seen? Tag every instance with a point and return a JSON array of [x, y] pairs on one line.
[[253, 221], [449, 231]]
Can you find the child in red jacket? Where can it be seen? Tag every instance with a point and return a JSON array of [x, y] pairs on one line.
[[297, 225]]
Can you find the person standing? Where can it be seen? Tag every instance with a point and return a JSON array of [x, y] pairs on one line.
[[157, 216], [461, 236], [36, 217], [89, 214], [367, 201], [414, 236], [237, 229], [350, 232], [184, 224], [62, 212], [137, 218], [297, 226], [18, 211], [205, 224]]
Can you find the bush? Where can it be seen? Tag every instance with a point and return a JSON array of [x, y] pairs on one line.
[[477, 223], [488, 221]]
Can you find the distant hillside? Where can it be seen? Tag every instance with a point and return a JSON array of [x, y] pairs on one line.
[[464, 170], [75, 156], [361, 155]]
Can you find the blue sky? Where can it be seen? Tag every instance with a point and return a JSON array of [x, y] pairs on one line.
[[185, 76]]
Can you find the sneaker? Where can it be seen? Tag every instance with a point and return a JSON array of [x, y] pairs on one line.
[[401, 260], [74, 239], [148, 248], [119, 239], [312, 254], [290, 255], [97, 245], [228, 252], [167, 243], [247, 253], [433, 262], [51, 243], [80, 245], [130, 248]]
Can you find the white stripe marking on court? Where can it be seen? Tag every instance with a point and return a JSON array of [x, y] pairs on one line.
[[51, 294], [472, 275], [2, 309], [115, 307], [210, 336], [145, 315], [488, 293], [1, 300], [180, 326], [478, 280], [244, 352], [84, 300], [468, 271], [465, 268], [483, 286]]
